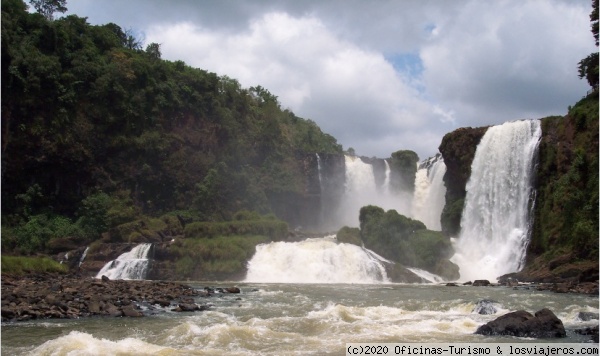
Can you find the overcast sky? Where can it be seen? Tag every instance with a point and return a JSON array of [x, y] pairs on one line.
[[378, 75]]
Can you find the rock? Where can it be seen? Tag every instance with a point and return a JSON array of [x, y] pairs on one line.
[[587, 316], [232, 290], [522, 324], [105, 279], [481, 283], [485, 307], [130, 311], [451, 284], [592, 331], [188, 307]]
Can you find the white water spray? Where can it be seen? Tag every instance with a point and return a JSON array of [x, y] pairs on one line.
[[130, 265], [430, 193], [318, 260], [495, 220], [83, 256]]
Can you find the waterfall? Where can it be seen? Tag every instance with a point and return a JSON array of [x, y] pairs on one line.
[[320, 172], [317, 260], [130, 265], [361, 190], [495, 220], [430, 192], [83, 256], [386, 182]]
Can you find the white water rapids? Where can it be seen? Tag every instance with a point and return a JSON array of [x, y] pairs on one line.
[[495, 221]]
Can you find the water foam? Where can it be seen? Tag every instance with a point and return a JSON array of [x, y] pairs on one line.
[[130, 265], [319, 260]]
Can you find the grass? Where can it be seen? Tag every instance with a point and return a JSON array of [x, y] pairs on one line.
[[19, 265]]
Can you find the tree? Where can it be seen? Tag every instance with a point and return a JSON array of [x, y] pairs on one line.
[[153, 50], [48, 7], [588, 67]]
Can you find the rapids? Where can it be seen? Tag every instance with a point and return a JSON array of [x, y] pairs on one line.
[[307, 319]]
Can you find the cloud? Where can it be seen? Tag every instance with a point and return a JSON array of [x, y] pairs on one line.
[[379, 76], [352, 93]]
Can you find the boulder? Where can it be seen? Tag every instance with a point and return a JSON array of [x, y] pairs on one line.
[[130, 311], [481, 283], [587, 316], [485, 307], [544, 324]]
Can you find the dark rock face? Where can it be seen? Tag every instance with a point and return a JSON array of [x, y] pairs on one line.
[[458, 149], [544, 324]]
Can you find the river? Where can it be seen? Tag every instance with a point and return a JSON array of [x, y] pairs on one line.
[[307, 319]]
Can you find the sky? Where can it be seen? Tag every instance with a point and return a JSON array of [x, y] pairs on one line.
[[380, 75]]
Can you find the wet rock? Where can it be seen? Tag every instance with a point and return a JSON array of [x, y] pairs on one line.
[[592, 331], [587, 316], [485, 307], [105, 279], [232, 290], [481, 283], [130, 311], [544, 324]]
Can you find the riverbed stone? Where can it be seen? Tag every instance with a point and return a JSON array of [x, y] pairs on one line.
[[520, 323]]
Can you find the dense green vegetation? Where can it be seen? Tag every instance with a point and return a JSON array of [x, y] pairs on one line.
[[566, 213], [401, 239], [98, 132], [21, 264]]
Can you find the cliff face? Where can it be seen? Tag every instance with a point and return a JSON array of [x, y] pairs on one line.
[[458, 149], [564, 241]]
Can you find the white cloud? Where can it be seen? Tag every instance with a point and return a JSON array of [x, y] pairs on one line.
[[352, 93]]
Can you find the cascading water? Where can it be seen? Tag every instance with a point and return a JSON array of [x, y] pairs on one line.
[[430, 192], [317, 260], [83, 255], [319, 171], [495, 220], [361, 190], [130, 265]]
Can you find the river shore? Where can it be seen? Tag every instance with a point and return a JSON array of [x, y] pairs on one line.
[[44, 296]]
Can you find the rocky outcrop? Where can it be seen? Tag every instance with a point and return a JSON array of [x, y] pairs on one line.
[[458, 149], [58, 296], [544, 324]]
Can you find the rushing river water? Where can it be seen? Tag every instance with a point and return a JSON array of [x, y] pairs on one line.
[[307, 319]]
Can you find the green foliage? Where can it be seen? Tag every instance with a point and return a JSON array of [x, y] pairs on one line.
[[566, 210], [349, 235], [34, 235], [106, 121], [275, 230], [221, 257], [451, 216], [403, 166], [402, 239], [21, 265]]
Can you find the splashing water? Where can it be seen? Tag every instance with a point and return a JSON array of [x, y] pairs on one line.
[[495, 221], [317, 260], [130, 265]]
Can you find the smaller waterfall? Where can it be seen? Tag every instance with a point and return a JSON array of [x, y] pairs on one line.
[[130, 265], [318, 260], [386, 182], [430, 192], [83, 256], [320, 171]]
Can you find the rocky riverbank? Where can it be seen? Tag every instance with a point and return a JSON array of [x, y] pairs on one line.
[[68, 296]]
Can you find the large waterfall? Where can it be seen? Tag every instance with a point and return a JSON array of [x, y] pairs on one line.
[[317, 260], [495, 220], [130, 265], [430, 192]]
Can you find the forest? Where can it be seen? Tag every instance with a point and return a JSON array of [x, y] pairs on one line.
[[98, 132]]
